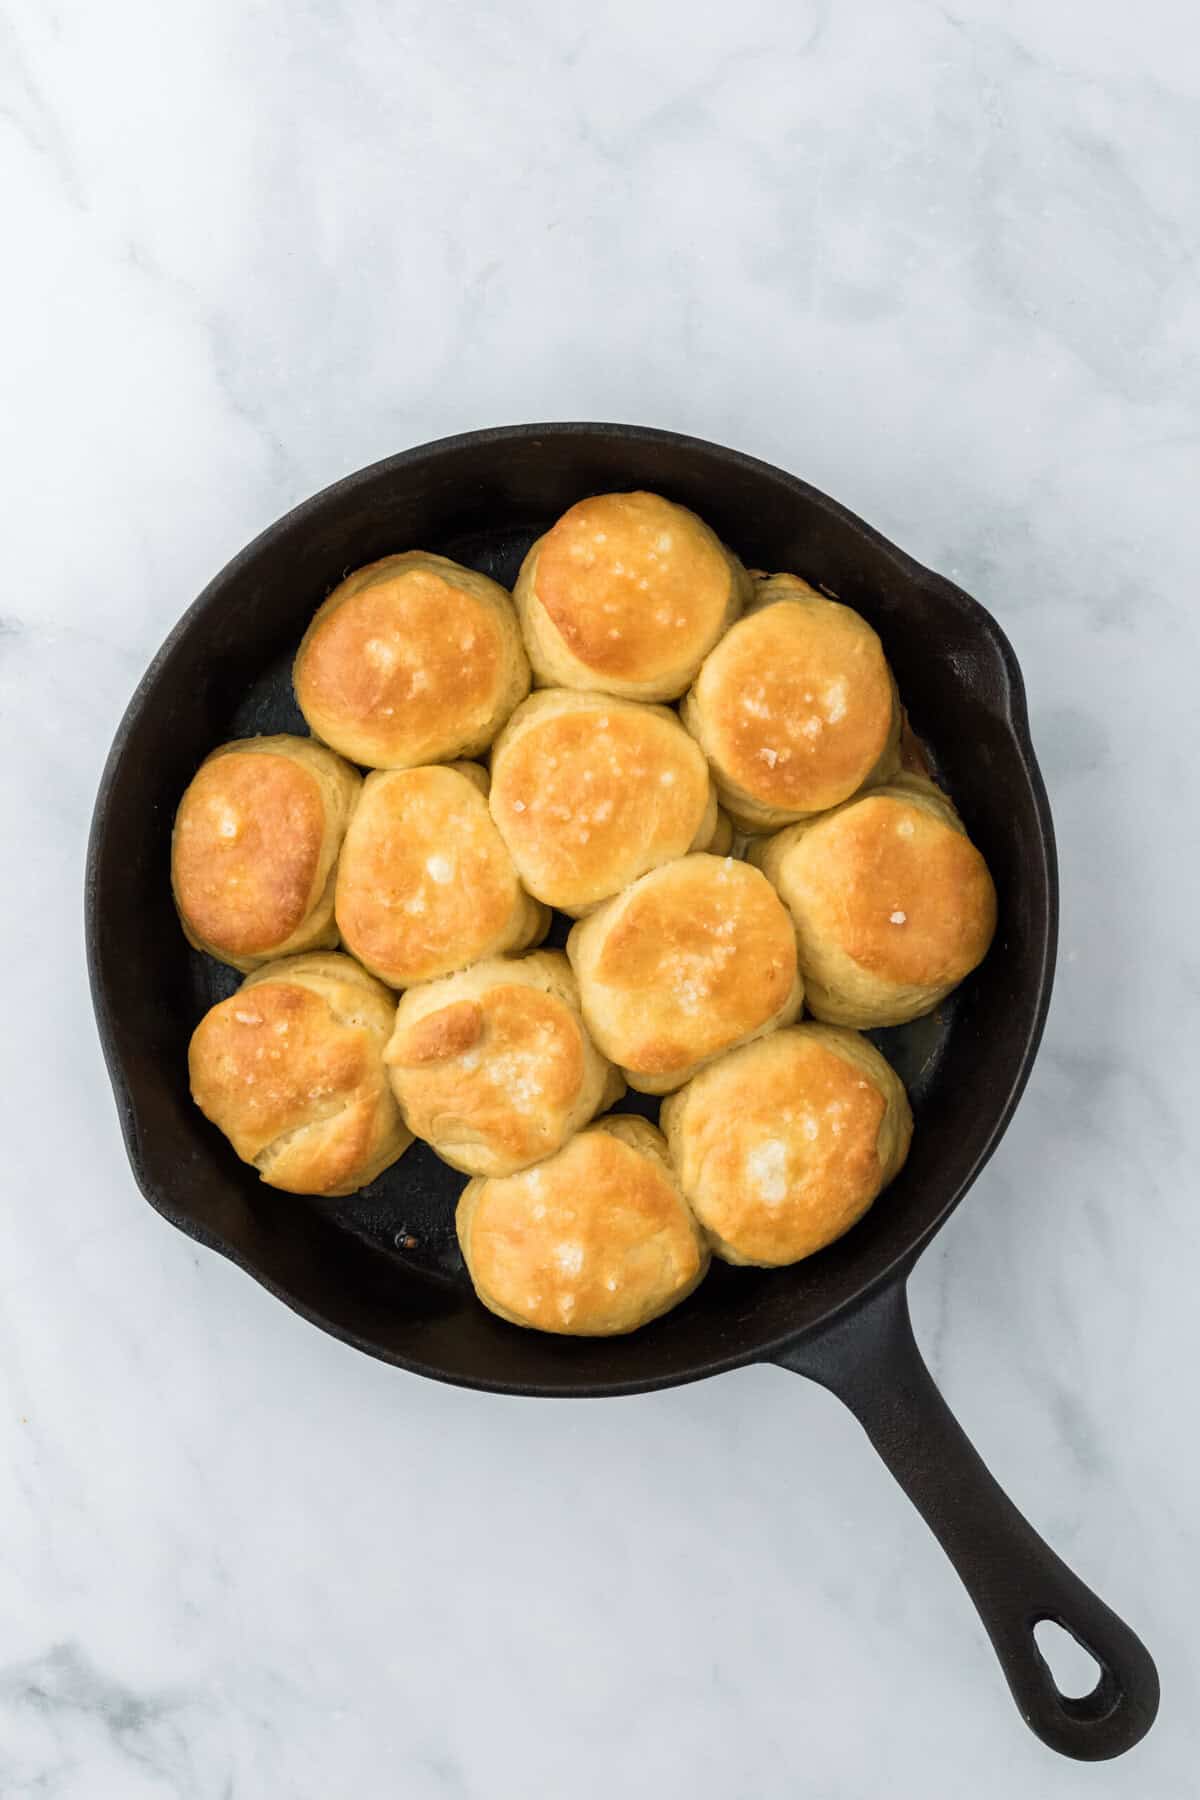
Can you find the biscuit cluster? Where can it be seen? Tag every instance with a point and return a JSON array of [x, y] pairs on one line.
[[709, 772]]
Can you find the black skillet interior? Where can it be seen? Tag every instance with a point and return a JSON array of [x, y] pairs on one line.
[[381, 1269]]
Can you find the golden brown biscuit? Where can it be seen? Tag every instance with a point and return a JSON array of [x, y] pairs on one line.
[[589, 792], [626, 594], [494, 1067], [893, 904], [290, 1068], [411, 660], [692, 959], [255, 847], [796, 707], [592, 1243], [782, 1145], [425, 885]]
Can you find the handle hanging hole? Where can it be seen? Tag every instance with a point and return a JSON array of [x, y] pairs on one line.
[[1075, 1670]]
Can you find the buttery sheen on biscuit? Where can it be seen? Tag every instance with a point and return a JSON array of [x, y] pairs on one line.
[[594, 1242], [290, 1068], [796, 707], [411, 660], [893, 904], [425, 885], [255, 846], [589, 792], [782, 1146], [692, 959], [495, 1067], [626, 594]]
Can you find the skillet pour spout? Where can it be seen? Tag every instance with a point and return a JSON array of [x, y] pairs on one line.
[[380, 1270]]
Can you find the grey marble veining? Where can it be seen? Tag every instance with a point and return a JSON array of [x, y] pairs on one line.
[[941, 261]]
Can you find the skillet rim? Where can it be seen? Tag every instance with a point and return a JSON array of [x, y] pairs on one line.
[[1016, 721]]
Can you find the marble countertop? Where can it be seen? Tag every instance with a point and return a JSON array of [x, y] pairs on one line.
[[939, 260]]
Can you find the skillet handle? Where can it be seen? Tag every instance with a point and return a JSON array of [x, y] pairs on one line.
[[870, 1360]]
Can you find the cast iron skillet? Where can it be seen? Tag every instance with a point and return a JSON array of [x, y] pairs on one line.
[[381, 1270]]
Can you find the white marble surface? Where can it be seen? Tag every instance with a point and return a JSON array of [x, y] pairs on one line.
[[941, 260]]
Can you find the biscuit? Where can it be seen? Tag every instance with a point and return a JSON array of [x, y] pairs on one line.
[[893, 904], [411, 660], [425, 885], [290, 1068], [782, 1145], [626, 595], [795, 709], [589, 792], [495, 1067], [595, 1242], [255, 847], [692, 959]]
